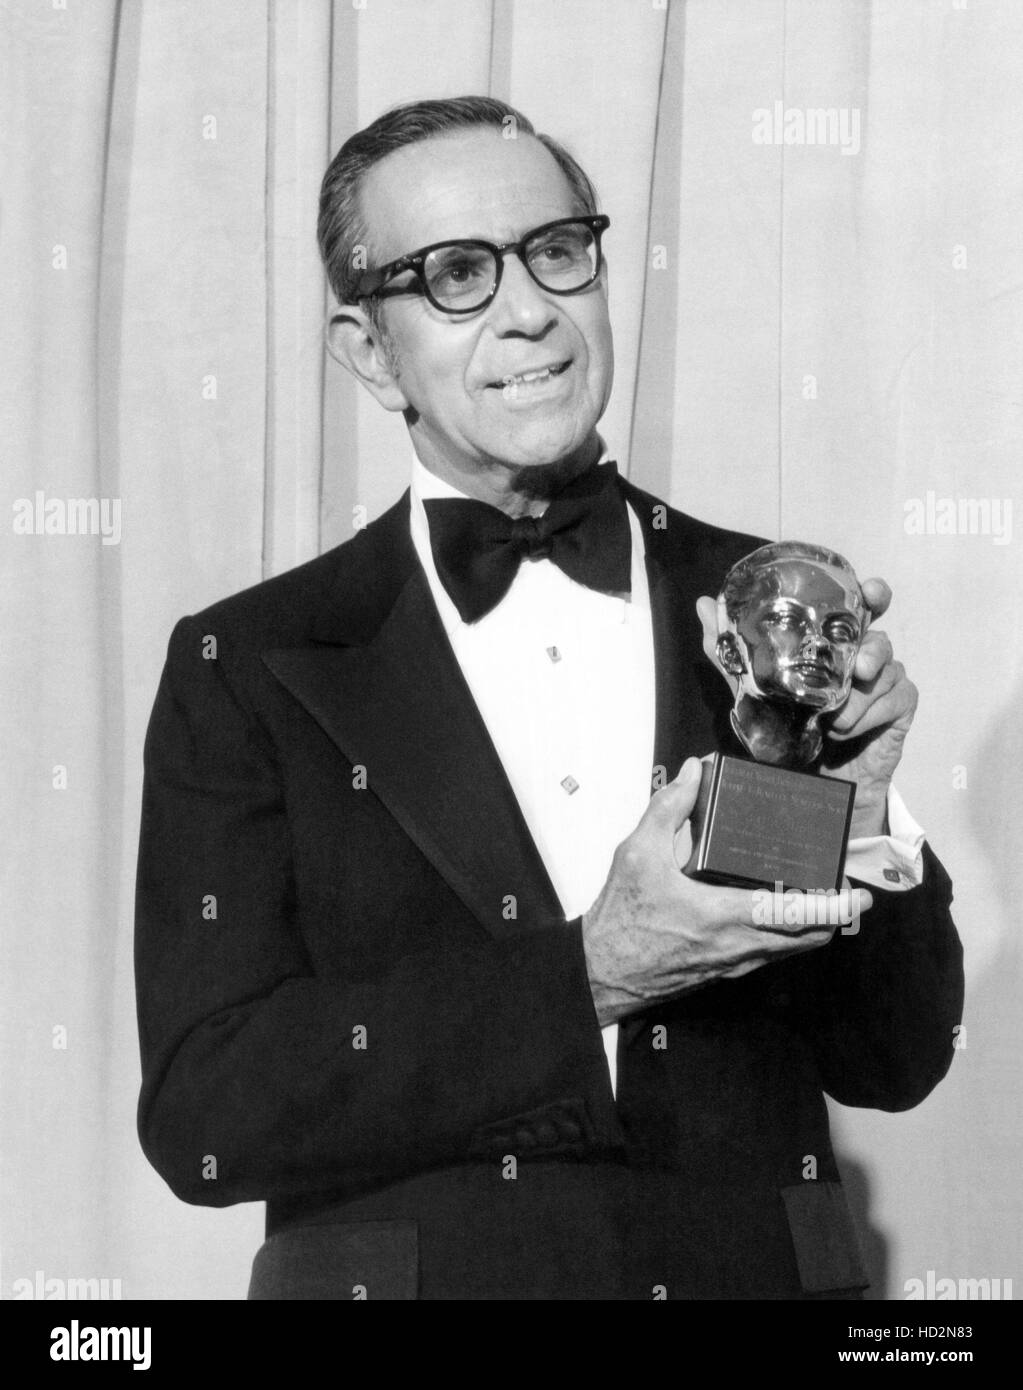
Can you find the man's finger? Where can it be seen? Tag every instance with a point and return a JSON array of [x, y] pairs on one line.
[[781, 917], [707, 612], [877, 596], [896, 707], [873, 656], [860, 700]]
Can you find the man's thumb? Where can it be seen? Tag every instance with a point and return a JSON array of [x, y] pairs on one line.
[[680, 795]]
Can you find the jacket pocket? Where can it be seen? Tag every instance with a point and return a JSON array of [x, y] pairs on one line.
[[827, 1250], [342, 1260]]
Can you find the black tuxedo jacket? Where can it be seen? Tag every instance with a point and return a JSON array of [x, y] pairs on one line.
[[340, 1014]]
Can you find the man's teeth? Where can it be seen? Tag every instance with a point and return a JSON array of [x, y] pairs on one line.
[[525, 377]]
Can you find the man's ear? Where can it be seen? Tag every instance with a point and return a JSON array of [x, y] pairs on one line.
[[730, 654], [353, 341]]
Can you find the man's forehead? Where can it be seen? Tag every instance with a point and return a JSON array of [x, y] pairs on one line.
[[808, 582], [465, 183]]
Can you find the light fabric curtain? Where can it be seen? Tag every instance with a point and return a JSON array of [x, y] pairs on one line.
[[808, 341]]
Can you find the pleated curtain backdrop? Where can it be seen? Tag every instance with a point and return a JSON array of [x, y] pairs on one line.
[[810, 340]]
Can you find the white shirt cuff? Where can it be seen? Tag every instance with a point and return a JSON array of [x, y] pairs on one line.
[[894, 861]]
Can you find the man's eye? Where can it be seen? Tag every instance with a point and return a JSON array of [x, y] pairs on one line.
[[558, 251], [842, 632], [456, 274], [554, 251]]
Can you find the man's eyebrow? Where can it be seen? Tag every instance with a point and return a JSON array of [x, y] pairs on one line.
[[519, 235]]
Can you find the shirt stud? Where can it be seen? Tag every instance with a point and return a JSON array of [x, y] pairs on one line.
[[553, 653], [570, 784]]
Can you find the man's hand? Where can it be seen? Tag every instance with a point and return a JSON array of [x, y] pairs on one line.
[[864, 742], [866, 738], [654, 933]]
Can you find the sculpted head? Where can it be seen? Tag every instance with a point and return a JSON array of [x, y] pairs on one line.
[[791, 620]]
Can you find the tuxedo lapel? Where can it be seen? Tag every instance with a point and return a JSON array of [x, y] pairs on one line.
[[675, 685], [399, 705], [691, 711]]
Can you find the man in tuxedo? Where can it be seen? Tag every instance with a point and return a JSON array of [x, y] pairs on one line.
[[416, 963]]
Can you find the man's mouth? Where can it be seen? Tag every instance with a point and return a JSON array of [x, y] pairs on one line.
[[532, 376]]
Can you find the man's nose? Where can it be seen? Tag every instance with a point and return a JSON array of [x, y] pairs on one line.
[[520, 305]]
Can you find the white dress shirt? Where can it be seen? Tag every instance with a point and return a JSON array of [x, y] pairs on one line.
[[563, 678]]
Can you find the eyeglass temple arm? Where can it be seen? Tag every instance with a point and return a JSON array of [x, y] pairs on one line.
[[377, 278]]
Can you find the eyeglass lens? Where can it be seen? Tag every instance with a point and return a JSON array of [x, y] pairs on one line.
[[560, 259]]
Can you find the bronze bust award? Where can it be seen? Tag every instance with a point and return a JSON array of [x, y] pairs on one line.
[[791, 617]]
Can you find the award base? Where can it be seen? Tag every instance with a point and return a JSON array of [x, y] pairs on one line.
[[754, 826]]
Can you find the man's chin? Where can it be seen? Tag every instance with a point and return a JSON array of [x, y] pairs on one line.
[[558, 454]]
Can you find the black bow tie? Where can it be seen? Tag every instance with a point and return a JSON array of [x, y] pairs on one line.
[[585, 532]]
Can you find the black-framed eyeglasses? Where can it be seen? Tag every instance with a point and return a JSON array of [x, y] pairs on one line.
[[461, 277]]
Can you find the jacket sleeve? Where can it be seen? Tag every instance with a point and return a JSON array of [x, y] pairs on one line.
[[880, 1005], [261, 1080]]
